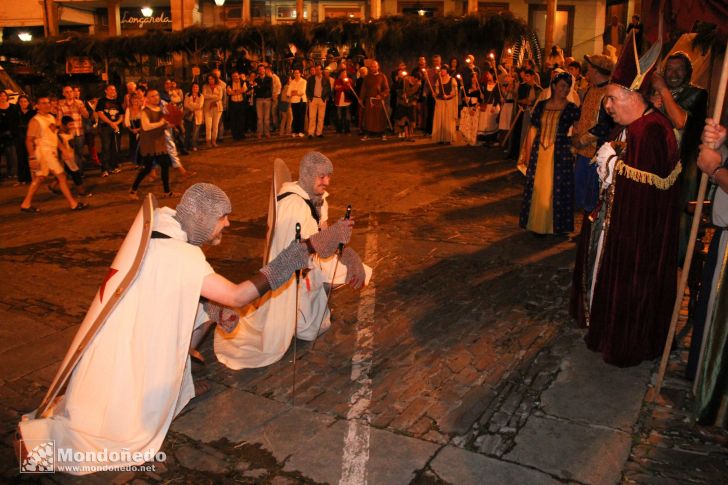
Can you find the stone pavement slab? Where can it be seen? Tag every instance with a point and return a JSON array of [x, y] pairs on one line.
[[307, 442], [462, 467], [588, 390], [393, 458], [232, 414], [587, 454]]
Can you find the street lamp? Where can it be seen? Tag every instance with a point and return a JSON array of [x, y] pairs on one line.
[[147, 11], [25, 36], [219, 3]]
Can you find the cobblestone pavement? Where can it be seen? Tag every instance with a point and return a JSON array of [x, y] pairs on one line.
[[475, 372]]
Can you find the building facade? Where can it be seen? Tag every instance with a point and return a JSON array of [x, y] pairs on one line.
[[579, 24]]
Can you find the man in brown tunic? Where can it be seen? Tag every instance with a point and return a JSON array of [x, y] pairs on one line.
[[373, 94]]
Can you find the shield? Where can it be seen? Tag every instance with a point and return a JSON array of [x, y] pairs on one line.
[[281, 175], [121, 275]]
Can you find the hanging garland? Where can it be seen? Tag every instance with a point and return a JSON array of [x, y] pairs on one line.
[[388, 38]]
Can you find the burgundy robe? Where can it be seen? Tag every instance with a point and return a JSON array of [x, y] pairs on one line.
[[635, 287], [374, 118]]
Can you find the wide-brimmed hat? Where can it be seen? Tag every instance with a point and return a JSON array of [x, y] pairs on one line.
[[601, 63]]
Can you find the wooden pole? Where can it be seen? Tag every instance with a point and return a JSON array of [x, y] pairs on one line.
[[717, 112], [550, 25], [299, 10]]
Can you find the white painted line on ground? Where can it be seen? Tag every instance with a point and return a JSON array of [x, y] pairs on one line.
[[356, 443]]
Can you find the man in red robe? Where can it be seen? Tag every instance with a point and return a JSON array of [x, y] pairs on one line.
[[631, 277], [374, 91]]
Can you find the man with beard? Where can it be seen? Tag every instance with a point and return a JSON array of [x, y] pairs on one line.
[[374, 91], [686, 105], [134, 376], [631, 279], [267, 326]]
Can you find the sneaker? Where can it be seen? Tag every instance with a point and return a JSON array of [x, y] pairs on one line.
[[293, 135], [301, 135], [116, 170], [310, 137], [170, 195], [364, 138], [105, 173], [384, 137], [133, 195]]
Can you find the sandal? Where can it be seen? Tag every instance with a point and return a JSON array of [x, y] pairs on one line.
[[30, 209], [80, 206]]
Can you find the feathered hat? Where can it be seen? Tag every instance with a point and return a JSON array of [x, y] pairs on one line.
[[633, 72]]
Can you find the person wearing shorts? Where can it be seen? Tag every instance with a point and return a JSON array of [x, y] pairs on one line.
[[42, 144]]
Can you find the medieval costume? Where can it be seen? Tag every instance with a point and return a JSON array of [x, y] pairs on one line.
[[124, 397], [628, 287], [548, 196], [445, 120], [591, 130], [489, 110], [127, 372], [267, 325], [374, 90], [694, 101], [405, 116], [711, 314]]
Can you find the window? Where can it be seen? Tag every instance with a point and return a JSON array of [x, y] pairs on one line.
[[563, 26]]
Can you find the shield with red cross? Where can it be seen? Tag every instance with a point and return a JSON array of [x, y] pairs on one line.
[[120, 275]]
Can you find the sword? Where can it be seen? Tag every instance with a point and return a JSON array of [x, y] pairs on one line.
[[295, 321], [347, 216], [386, 115]]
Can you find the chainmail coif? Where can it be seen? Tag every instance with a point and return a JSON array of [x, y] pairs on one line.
[[313, 164], [199, 209]]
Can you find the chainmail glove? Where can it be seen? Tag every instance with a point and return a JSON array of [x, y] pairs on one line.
[[226, 318], [278, 271], [354, 268], [327, 241]]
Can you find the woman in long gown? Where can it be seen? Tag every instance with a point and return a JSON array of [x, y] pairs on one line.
[[445, 120], [490, 108], [548, 195]]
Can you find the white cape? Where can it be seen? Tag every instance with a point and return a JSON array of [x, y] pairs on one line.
[[134, 377], [266, 326]]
